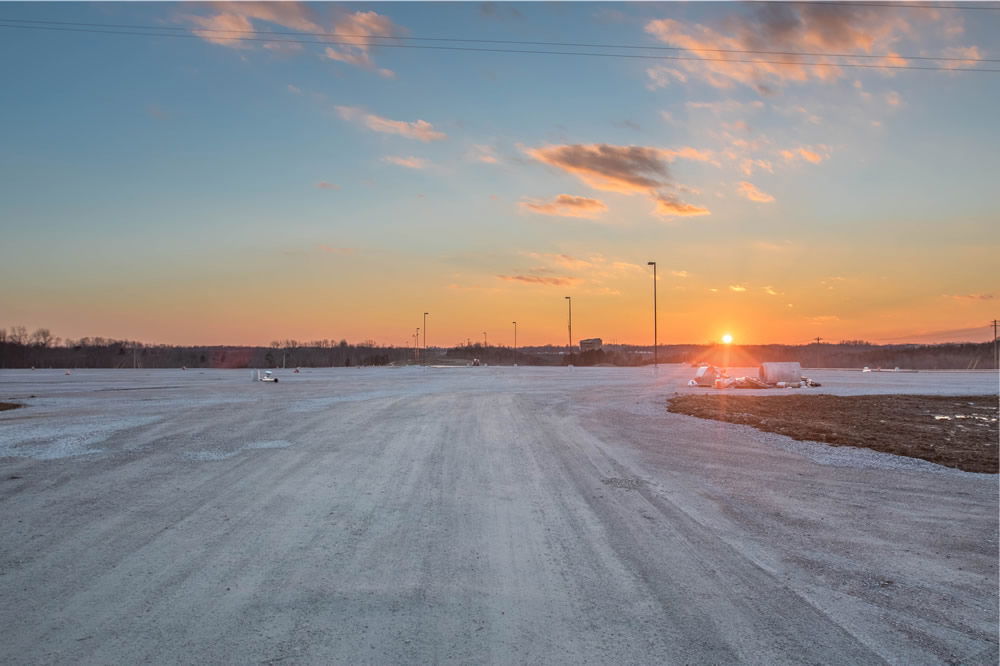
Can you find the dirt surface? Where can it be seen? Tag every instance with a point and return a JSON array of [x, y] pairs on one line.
[[9, 405], [960, 432], [469, 515]]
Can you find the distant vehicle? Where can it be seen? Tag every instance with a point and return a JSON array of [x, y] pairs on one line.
[[268, 376], [591, 344]]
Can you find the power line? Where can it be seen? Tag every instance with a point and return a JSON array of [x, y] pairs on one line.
[[498, 50], [654, 47], [903, 5]]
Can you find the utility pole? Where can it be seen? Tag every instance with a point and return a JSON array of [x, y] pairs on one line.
[[569, 300], [424, 359], [655, 360], [485, 341], [515, 342], [416, 344], [996, 356]]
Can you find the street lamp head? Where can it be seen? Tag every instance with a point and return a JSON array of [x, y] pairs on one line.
[[569, 298], [650, 263]]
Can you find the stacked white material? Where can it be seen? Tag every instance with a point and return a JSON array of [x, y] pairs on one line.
[[774, 372]]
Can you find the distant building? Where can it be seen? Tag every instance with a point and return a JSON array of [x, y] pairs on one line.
[[591, 344]]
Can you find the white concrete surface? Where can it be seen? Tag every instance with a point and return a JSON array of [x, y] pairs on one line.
[[471, 515]]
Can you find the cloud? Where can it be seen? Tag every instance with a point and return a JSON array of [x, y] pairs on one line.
[[361, 25], [669, 206], [680, 274], [660, 76], [737, 288], [483, 153], [234, 21], [768, 246], [551, 281], [323, 185], [408, 162], [622, 169], [747, 166], [750, 191], [625, 170], [822, 319], [788, 27], [893, 98], [342, 251], [971, 52], [813, 154], [972, 298], [725, 106], [771, 292], [295, 90], [567, 205], [419, 130]]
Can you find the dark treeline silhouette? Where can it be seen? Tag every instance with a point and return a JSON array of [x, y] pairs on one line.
[[39, 349], [18, 349]]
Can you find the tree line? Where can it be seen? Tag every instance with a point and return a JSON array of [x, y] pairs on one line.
[[21, 348]]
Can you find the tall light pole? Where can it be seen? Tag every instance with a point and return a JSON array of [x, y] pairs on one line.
[[569, 300], [424, 356], [416, 343], [515, 341], [485, 341], [653, 264]]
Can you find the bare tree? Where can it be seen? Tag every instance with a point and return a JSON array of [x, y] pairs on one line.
[[42, 337]]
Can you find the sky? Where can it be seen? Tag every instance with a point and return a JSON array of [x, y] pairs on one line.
[[198, 189]]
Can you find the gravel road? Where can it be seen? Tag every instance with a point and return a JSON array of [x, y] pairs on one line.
[[471, 515]]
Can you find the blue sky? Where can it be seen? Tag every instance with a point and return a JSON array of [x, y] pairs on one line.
[[186, 190]]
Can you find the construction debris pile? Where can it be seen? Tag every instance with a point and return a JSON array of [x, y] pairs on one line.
[[770, 375]]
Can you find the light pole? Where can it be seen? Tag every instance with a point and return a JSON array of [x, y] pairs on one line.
[[515, 342], [485, 341], [653, 264], [424, 356], [569, 301], [416, 343]]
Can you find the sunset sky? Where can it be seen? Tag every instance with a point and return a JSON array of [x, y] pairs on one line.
[[197, 189]]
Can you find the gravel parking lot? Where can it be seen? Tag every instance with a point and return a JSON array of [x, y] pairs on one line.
[[471, 515]]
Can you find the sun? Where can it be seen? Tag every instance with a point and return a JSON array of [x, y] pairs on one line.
[[727, 339]]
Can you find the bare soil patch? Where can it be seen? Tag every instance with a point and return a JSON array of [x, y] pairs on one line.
[[9, 405], [960, 432]]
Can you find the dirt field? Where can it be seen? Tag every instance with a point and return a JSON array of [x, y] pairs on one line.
[[960, 432], [9, 405], [489, 515]]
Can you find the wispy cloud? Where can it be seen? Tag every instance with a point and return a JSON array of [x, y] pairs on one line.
[[342, 251], [549, 281], [660, 76], [361, 25], [408, 162], [234, 21], [739, 288], [680, 274], [750, 191], [972, 298], [567, 205], [813, 154], [419, 130], [323, 185], [669, 206], [483, 153]]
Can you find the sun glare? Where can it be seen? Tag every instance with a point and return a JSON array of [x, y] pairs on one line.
[[727, 339]]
